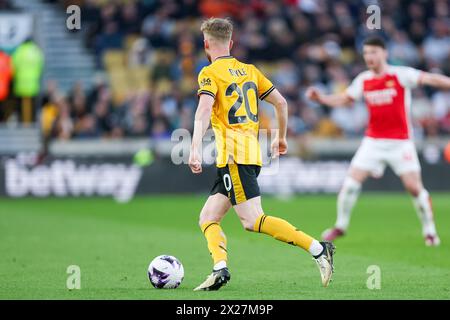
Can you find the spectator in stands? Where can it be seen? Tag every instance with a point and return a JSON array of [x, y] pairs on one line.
[[159, 28], [78, 103], [6, 72], [437, 45], [63, 125], [49, 111], [28, 62], [160, 124], [402, 51], [110, 38], [102, 114], [135, 115], [128, 17], [140, 54]]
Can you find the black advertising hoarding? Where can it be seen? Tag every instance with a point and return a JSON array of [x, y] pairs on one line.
[[119, 178]]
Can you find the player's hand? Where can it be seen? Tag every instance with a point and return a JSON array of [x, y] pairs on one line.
[[313, 94], [279, 147], [283, 146], [195, 162]]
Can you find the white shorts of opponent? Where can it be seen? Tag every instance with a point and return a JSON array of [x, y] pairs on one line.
[[374, 155]]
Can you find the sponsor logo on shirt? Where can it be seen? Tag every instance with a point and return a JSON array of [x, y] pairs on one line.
[[205, 82], [380, 97]]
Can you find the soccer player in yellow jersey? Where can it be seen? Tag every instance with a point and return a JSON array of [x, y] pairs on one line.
[[228, 97]]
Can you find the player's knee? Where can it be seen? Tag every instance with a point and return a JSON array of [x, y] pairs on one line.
[[207, 217], [413, 189], [412, 183]]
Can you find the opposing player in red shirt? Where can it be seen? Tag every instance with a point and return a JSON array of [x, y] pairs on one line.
[[388, 141]]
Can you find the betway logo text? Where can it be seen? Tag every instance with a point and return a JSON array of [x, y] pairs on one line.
[[65, 178]]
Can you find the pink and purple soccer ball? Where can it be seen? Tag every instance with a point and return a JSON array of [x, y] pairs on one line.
[[165, 272]]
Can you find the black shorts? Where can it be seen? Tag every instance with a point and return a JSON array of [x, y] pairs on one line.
[[238, 182]]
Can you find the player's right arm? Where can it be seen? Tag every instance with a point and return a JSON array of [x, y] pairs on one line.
[[343, 99], [330, 100], [207, 94], [201, 124]]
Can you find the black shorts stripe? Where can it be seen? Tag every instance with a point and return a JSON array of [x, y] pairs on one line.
[[265, 94], [206, 92]]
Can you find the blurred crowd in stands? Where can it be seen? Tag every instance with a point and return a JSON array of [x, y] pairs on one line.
[[152, 50]]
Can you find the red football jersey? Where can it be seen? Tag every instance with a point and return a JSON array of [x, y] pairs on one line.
[[388, 99]]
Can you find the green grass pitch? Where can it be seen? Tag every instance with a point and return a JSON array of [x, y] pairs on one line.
[[113, 244]]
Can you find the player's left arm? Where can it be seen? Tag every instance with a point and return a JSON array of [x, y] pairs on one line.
[[434, 80], [201, 124], [279, 144], [267, 92]]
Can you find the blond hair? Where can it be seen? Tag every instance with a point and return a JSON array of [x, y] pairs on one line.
[[218, 29]]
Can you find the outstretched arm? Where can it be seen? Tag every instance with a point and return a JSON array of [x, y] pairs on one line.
[[201, 124], [279, 143], [435, 80], [330, 100]]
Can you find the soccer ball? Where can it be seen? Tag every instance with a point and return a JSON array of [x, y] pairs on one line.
[[165, 272]]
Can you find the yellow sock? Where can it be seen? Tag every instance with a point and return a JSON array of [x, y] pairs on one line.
[[282, 230], [217, 242]]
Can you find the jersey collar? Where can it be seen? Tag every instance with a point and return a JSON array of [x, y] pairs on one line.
[[381, 75], [224, 57]]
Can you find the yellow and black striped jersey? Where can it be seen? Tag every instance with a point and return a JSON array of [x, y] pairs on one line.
[[236, 88]]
